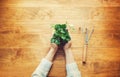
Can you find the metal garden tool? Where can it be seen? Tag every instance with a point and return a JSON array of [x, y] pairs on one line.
[[86, 40]]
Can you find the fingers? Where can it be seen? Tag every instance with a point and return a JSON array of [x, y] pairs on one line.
[[67, 45], [54, 46], [51, 35], [69, 42]]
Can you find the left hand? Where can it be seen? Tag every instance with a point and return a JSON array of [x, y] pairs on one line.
[[54, 46]]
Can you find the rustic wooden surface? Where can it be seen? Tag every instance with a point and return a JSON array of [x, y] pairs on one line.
[[25, 34]]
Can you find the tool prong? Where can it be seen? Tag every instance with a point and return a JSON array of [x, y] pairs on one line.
[[90, 34]]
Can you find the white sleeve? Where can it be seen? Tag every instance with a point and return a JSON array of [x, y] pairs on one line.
[[72, 70], [42, 69]]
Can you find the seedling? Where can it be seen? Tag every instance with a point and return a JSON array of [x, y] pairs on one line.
[[61, 35]]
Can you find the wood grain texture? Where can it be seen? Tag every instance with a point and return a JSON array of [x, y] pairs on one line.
[[25, 36]]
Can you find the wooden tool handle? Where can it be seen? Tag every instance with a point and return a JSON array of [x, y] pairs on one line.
[[84, 55]]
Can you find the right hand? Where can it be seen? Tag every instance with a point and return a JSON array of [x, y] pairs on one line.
[[67, 45]]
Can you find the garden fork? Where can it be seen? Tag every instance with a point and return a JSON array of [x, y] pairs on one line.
[[86, 40]]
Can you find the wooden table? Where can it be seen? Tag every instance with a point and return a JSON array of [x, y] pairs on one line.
[[25, 34]]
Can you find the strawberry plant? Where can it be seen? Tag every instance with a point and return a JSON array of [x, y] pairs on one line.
[[61, 35]]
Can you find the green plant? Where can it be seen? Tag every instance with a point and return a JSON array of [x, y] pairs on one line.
[[61, 34]]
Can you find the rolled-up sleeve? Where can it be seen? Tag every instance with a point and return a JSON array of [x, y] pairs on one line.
[[42, 69], [72, 70]]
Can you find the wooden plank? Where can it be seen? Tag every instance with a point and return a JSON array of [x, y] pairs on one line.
[[75, 3], [36, 54], [36, 40], [41, 13], [27, 27]]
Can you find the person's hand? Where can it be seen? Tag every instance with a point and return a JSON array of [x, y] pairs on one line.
[[68, 53], [67, 46], [52, 51], [54, 46]]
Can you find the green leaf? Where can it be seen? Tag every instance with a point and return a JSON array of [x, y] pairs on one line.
[[52, 40], [63, 26], [63, 37], [62, 31]]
